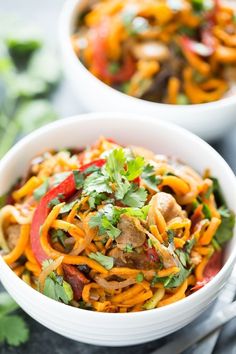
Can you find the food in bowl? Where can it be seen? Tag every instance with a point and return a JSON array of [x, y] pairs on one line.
[[168, 51], [114, 229]]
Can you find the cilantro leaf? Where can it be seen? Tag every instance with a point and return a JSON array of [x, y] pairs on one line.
[[139, 277], [218, 192], [225, 230], [105, 261], [96, 199], [135, 197], [115, 163], [79, 179], [41, 190], [58, 289], [96, 182], [173, 281], [13, 328], [67, 207], [134, 168], [105, 219], [128, 248], [149, 177]]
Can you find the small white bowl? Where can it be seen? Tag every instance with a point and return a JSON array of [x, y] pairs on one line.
[[117, 329], [209, 120]]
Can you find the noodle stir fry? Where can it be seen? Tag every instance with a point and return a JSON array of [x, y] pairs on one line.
[[114, 229], [169, 51]]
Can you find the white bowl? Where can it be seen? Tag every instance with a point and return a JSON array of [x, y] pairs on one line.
[[117, 329], [209, 120]]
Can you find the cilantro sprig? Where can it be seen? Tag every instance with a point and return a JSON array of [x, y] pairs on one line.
[[13, 328], [105, 261], [56, 287]]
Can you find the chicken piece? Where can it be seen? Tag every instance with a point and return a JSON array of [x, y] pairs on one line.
[[130, 260], [76, 279], [151, 50], [12, 235], [132, 232], [167, 205]]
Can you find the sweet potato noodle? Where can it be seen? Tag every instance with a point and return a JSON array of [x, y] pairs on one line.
[[114, 229], [169, 51]]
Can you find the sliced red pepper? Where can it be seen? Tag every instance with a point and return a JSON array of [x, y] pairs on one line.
[[63, 191], [76, 279], [100, 60], [212, 268]]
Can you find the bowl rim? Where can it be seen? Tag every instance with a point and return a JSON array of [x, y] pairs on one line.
[[59, 124], [66, 19]]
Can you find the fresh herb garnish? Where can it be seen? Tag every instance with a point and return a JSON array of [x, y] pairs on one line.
[[105, 219], [135, 197], [225, 230], [58, 289], [128, 248], [41, 190], [139, 277], [79, 179], [13, 329], [67, 207], [105, 261], [149, 177]]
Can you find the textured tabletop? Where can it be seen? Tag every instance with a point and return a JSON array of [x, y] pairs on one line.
[[45, 13]]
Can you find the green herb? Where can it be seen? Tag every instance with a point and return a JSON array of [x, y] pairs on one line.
[[3, 200], [173, 281], [54, 202], [134, 168], [149, 177], [105, 219], [187, 31], [183, 257], [59, 235], [171, 235], [136, 212], [13, 329], [58, 289], [198, 5], [96, 199], [218, 192], [225, 230], [215, 244], [105, 261], [79, 179], [113, 67], [128, 248], [189, 245], [139, 277], [96, 182], [135, 197], [182, 99], [67, 207], [41, 190], [206, 211], [23, 41]]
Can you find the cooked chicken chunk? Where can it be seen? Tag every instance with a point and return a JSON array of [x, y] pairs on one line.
[[131, 232]]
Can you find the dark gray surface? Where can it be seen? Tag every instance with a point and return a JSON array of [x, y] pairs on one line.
[[45, 15]]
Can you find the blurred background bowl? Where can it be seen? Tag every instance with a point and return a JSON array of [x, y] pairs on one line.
[[117, 329], [209, 120]]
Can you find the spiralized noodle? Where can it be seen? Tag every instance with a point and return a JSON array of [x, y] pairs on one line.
[[113, 228], [175, 52]]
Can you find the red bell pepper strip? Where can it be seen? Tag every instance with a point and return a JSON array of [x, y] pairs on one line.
[[212, 268], [63, 191], [76, 279], [100, 60]]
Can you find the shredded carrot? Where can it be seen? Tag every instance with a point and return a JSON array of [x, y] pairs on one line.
[[27, 188]]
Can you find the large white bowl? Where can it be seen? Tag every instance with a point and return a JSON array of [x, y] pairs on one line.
[[106, 328], [209, 120]]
